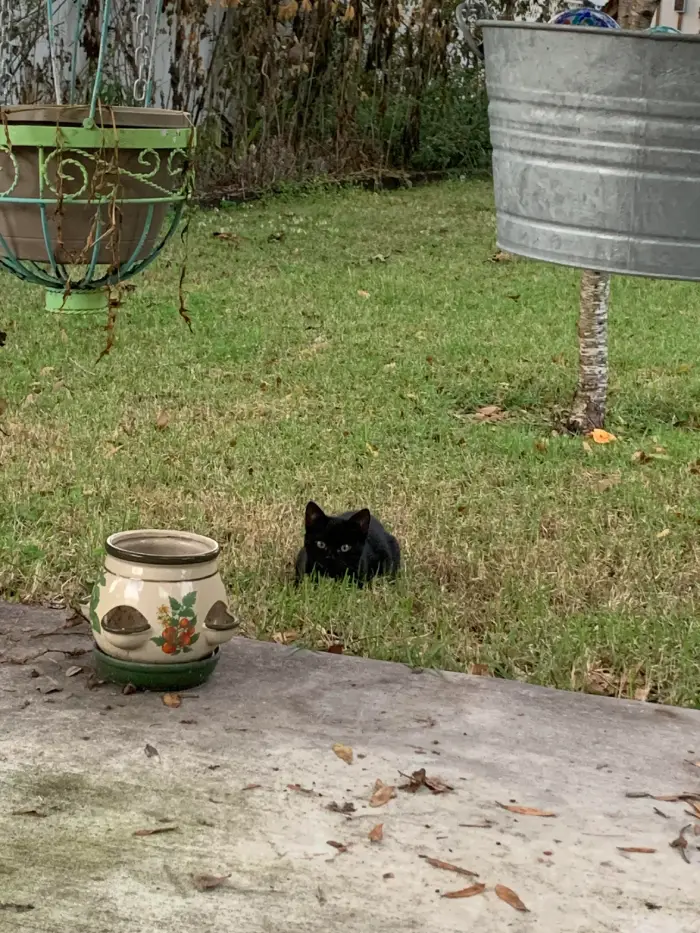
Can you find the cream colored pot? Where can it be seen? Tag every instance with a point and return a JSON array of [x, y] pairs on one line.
[[160, 598]]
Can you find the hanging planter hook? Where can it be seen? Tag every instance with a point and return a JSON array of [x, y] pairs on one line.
[[467, 14]]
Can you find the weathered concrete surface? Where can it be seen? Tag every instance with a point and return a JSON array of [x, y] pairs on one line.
[[270, 717]]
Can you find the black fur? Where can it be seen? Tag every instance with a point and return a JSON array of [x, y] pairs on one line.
[[354, 545]]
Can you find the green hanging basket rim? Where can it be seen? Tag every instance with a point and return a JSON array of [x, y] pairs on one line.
[[106, 116], [79, 137], [60, 127]]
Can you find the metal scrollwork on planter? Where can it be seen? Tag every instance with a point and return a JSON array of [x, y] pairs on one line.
[[66, 162], [7, 151]]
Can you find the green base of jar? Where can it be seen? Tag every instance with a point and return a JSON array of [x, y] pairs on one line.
[[77, 302], [155, 676]]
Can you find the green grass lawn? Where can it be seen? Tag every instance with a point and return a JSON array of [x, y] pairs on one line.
[[344, 361]]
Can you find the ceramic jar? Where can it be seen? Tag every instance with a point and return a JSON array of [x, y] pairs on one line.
[[160, 598]]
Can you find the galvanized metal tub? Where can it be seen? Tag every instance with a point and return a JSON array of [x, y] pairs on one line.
[[596, 146]]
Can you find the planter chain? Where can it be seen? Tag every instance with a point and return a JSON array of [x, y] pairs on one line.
[[144, 54]]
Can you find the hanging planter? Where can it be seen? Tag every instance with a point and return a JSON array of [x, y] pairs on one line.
[[596, 145], [89, 194], [159, 610]]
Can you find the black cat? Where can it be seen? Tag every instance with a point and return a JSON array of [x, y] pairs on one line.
[[354, 545]]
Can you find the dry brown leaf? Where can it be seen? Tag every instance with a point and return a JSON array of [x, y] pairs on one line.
[[525, 811], [695, 811], [642, 850], [642, 693], [287, 11], [382, 794], [599, 436], [376, 834], [338, 808], [681, 843], [226, 235], [510, 897], [335, 649], [286, 638], [448, 866], [641, 456], [344, 752], [467, 892], [162, 420], [684, 796], [3, 406], [501, 256], [490, 413], [372, 449], [173, 700], [362, 293], [156, 831], [663, 534], [420, 779], [208, 882], [340, 846], [480, 670], [251, 787], [298, 789]]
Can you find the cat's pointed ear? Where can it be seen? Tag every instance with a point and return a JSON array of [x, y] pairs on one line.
[[361, 519], [314, 514]]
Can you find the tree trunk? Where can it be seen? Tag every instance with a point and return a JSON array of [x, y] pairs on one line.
[[588, 410]]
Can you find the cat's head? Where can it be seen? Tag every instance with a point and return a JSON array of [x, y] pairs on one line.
[[335, 543]]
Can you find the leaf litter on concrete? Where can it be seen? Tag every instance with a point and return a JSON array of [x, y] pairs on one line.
[[448, 866], [382, 794], [466, 892], [681, 843], [420, 779], [510, 897], [205, 882], [344, 752], [156, 831], [525, 811], [344, 808]]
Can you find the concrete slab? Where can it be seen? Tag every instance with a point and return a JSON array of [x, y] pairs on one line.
[[270, 717]]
